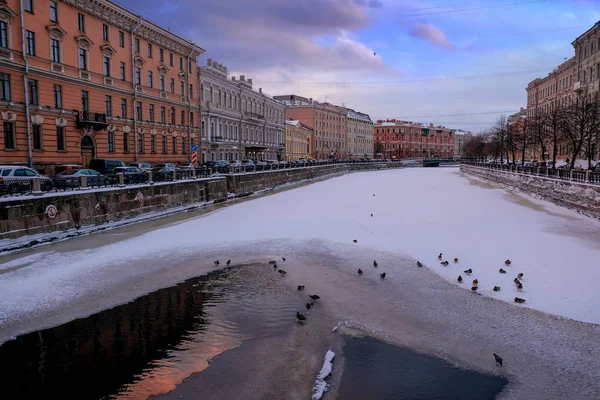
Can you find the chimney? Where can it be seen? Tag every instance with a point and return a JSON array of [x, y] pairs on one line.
[[215, 64], [220, 67], [260, 90], [250, 81], [242, 77], [209, 62], [225, 70], [233, 78]]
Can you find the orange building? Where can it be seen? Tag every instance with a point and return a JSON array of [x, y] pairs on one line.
[[394, 139], [327, 121], [101, 82]]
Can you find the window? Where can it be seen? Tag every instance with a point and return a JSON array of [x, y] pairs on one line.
[[5, 88], [83, 59], [172, 85], [123, 108], [60, 138], [138, 76], [164, 144], [121, 39], [85, 101], [172, 116], [191, 91], [33, 92], [9, 135], [111, 141], [81, 21], [137, 45], [171, 59], [3, 34], [106, 65], [37, 136], [162, 83], [122, 70], [29, 6], [153, 144], [55, 50], [125, 142], [161, 55], [151, 112], [174, 144], [138, 110], [190, 66], [192, 119], [149, 50], [182, 88], [182, 117], [180, 62], [140, 143], [150, 80], [30, 43], [53, 11], [57, 96], [108, 101], [183, 146], [105, 32], [163, 115]]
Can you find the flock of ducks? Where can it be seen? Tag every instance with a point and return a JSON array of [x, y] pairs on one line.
[[475, 282]]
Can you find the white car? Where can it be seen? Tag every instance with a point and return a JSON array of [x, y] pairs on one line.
[[14, 179]]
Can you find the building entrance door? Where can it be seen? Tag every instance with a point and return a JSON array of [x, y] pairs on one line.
[[88, 150]]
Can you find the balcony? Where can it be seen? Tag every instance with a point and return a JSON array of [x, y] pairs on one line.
[[254, 116], [86, 119], [216, 139], [577, 85]]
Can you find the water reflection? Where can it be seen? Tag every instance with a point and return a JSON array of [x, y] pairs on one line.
[[149, 345], [380, 371]]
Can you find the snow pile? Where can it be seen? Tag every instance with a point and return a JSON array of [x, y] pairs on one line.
[[320, 385]]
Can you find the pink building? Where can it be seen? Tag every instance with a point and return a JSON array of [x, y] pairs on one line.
[[395, 139]]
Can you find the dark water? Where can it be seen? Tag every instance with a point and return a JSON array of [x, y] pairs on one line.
[[375, 370], [149, 345]]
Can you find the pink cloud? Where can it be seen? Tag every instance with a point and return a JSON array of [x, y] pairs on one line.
[[431, 33]]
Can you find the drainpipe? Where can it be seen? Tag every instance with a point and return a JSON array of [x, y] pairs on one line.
[[135, 131], [26, 85], [190, 104]]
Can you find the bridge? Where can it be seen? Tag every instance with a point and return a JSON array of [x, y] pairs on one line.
[[436, 162]]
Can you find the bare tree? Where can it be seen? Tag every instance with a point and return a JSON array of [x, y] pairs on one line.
[[538, 132], [499, 132], [552, 119], [581, 124], [474, 148]]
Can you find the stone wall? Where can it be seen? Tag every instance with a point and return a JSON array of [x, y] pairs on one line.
[[96, 207], [581, 197]]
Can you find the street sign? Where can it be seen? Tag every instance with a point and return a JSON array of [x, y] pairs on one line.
[[194, 147]]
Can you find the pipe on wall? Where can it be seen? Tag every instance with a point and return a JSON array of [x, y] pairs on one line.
[[26, 85]]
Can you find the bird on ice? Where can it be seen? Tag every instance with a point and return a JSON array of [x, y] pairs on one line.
[[507, 262], [228, 262], [282, 272], [502, 271], [374, 263], [520, 276], [217, 262], [440, 256], [456, 260], [474, 289], [444, 263], [283, 258], [459, 279], [308, 306], [300, 287], [468, 271], [496, 288], [475, 282], [355, 241], [519, 300], [498, 359], [419, 264], [360, 272], [300, 317], [314, 297], [382, 275]]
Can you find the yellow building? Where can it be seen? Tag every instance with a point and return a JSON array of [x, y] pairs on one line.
[[298, 140]]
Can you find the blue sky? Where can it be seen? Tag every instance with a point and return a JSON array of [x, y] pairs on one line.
[[418, 60]]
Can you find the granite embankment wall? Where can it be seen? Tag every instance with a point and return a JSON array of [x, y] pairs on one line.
[[21, 216], [582, 197]]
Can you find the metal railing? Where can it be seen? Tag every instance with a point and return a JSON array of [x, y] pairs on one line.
[[46, 185], [575, 175]]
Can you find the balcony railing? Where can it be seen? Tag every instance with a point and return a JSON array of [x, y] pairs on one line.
[[91, 119], [254, 115], [217, 139]]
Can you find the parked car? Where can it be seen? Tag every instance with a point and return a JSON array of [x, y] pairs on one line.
[[260, 165], [15, 179], [132, 174], [248, 164], [59, 169], [235, 163], [105, 167], [597, 168], [144, 166], [70, 178], [160, 166]]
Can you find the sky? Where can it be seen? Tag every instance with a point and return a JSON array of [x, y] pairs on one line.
[[458, 63]]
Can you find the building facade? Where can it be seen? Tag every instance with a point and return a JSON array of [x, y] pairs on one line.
[[89, 79], [395, 139], [460, 139], [238, 122], [360, 135], [327, 121], [298, 139]]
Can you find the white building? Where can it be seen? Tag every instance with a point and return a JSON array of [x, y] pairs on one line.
[[237, 122], [360, 135]]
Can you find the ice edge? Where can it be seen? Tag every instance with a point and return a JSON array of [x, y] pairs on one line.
[[320, 386]]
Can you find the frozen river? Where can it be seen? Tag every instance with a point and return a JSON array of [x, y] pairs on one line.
[[417, 214]]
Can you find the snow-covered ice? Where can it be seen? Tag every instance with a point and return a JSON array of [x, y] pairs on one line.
[[320, 385], [418, 212]]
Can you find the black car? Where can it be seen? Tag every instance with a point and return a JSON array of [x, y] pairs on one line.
[[105, 167], [132, 175]]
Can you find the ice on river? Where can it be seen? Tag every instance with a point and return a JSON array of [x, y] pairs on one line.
[[419, 212]]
